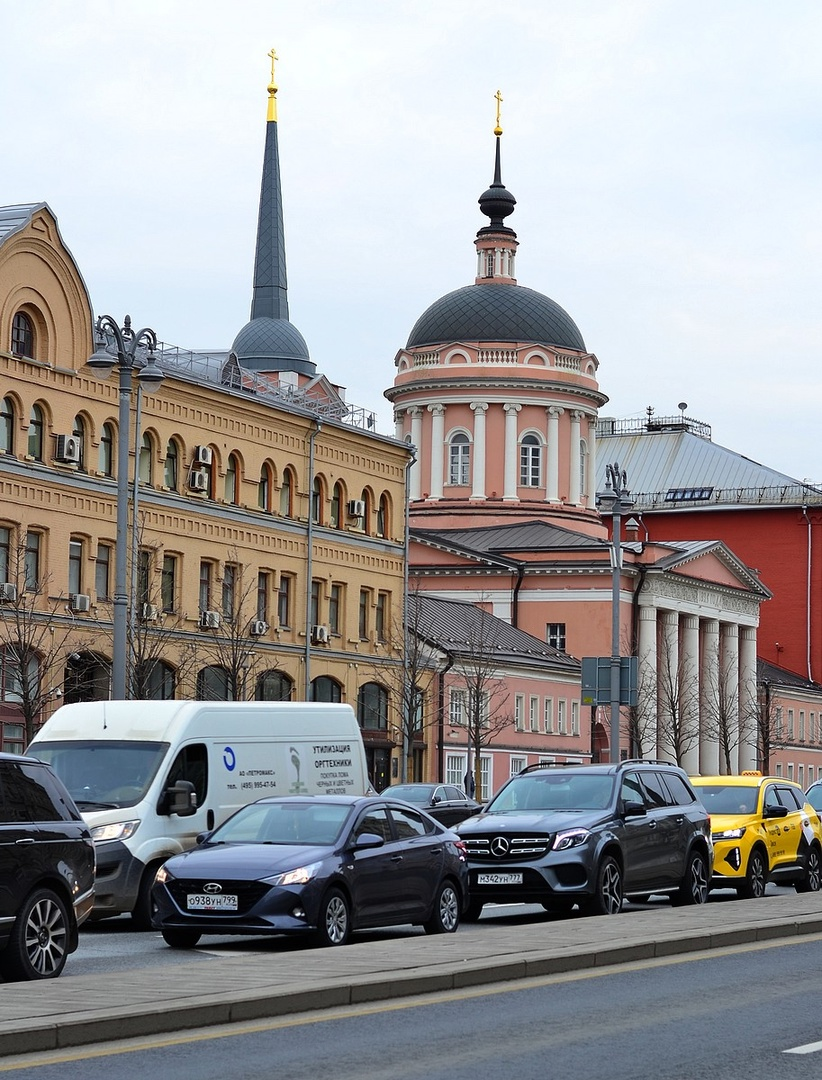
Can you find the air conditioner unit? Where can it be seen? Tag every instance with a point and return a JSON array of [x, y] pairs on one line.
[[356, 508], [320, 635], [8, 592], [80, 602], [258, 627], [209, 620], [198, 480], [68, 449], [203, 455], [149, 613]]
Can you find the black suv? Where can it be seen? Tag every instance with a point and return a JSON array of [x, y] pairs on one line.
[[46, 870], [560, 835]]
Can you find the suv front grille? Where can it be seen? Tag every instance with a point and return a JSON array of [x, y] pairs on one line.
[[497, 847]]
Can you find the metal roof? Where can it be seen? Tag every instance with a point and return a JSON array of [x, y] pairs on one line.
[[508, 539], [671, 467], [459, 627], [13, 218]]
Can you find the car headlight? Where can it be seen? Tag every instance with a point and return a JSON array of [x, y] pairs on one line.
[[569, 839], [163, 875], [301, 876], [118, 830], [730, 834]]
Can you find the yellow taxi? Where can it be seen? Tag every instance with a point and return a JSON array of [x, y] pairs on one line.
[[763, 829]]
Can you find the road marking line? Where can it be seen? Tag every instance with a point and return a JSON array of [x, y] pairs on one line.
[[808, 1048]]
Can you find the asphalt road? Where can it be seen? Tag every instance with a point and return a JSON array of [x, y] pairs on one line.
[[742, 1012]]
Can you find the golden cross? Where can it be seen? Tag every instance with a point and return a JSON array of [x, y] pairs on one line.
[[498, 96], [274, 57]]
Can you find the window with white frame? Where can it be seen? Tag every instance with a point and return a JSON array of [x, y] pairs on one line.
[[555, 635], [519, 712], [458, 709], [810, 775], [485, 780], [517, 764], [459, 458], [548, 715], [780, 723], [812, 727], [790, 770], [801, 725], [530, 456], [800, 776], [561, 715], [789, 733], [575, 718], [779, 768], [455, 767], [533, 713], [583, 462]]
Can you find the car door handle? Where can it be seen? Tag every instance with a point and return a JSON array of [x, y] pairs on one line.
[[25, 840], [396, 858], [679, 820], [651, 824]]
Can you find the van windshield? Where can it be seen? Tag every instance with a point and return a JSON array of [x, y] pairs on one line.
[[103, 775]]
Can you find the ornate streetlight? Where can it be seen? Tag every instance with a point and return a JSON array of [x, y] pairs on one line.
[[127, 349], [615, 500]]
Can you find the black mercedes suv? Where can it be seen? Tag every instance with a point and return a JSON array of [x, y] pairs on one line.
[[46, 870], [560, 835]]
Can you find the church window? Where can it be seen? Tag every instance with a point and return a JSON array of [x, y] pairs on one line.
[[489, 264], [459, 456], [22, 335], [530, 457]]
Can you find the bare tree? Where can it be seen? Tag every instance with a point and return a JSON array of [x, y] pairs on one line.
[[725, 716], [678, 702], [37, 632], [768, 721], [231, 645]]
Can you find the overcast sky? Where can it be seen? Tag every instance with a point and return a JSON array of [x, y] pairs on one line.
[[665, 157]]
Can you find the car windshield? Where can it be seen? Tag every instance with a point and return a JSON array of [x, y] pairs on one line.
[[555, 791], [728, 798], [283, 823], [814, 796], [105, 773], [413, 793]]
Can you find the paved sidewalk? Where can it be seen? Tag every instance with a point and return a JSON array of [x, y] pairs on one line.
[[72, 1011]]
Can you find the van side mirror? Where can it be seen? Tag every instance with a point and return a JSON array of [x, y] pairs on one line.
[[181, 798]]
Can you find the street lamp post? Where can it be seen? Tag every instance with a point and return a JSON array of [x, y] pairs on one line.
[[127, 349], [616, 500]]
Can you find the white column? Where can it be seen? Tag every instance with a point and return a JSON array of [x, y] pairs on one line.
[[747, 698], [646, 711], [668, 684], [511, 469], [591, 475], [416, 440], [478, 473], [437, 442], [709, 699], [399, 434], [552, 467], [729, 683], [574, 493], [689, 693]]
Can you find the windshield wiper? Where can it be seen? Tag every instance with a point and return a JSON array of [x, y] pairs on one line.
[[86, 804]]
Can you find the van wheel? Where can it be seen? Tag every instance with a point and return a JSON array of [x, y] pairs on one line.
[[334, 922], [144, 908], [39, 941], [756, 877], [181, 939]]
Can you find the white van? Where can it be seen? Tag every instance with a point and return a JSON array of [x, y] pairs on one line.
[[149, 776]]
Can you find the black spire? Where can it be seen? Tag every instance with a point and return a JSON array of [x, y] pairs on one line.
[[497, 202]]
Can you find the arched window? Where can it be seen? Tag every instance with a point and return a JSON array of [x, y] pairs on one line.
[[78, 430], [337, 501], [144, 464], [365, 523], [7, 426], [530, 460], [264, 488], [274, 686], [36, 428], [232, 474], [324, 688], [286, 493], [317, 501], [372, 707], [213, 684], [459, 459], [154, 681], [382, 516], [22, 335], [171, 466], [106, 455]]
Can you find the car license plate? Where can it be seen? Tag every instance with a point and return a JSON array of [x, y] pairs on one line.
[[499, 879], [202, 902]]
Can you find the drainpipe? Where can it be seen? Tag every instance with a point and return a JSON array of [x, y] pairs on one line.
[[515, 596], [441, 717], [309, 562], [808, 597]]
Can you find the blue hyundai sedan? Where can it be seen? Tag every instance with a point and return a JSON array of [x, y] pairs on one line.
[[320, 866]]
